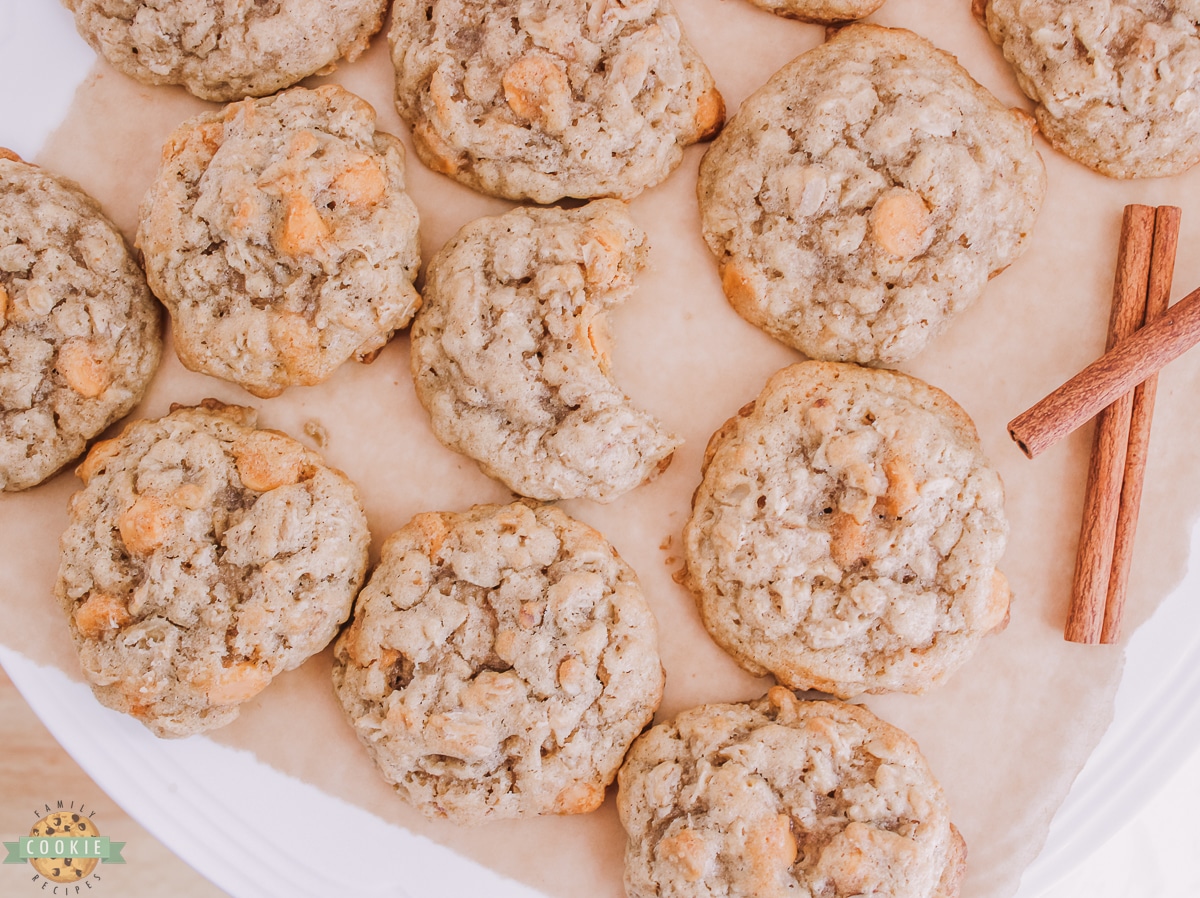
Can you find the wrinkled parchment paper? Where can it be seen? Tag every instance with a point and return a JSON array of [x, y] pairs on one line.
[[1006, 735]]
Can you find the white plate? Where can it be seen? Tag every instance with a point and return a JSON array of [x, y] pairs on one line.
[[195, 795]]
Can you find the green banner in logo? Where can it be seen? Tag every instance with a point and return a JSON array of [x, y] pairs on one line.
[[64, 846]]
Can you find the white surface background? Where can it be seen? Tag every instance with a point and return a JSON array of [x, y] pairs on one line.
[[1128, 829]]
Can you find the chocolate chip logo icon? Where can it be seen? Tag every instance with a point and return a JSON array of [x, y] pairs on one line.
[[64, 846], [55, 830]]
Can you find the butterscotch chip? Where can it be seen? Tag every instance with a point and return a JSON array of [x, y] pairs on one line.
[[846, 532], [865, 194], [499, 664], [1117, 84], [510, 352], [280, 237], [822, 12], [80, 335], [188, 589], [541, 100], [783, 797], [226, 51]]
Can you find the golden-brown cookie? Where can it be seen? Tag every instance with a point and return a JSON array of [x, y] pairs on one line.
[[865, 194], [226, 51], [1117, 84], [846, 533], [279, 235], [510, 352], [540, 100], [80, 335], [784, 797], [499, 663], [203, 557]]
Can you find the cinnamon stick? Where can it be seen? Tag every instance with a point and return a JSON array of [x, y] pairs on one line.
[[1116, 372], [1097, 534], [1162, 267]]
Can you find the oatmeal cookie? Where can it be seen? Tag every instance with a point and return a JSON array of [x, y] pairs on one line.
[[865, 194], [783, 797], [80, 335], [499, 664], [226, 51], [1117, 84], [822, 12], [203, 557], [543, 100], [280, 237], [846, 532], [510, 358]]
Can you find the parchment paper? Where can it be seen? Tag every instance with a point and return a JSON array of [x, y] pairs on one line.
[[1006, 735]]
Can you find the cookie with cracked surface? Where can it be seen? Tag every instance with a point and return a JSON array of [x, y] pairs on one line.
[[821, 12], [203, 557], [279, 235], [80, 335], [499, 664], [780, 796], [1117, 84], [227, 51], [846, 532], [865, 194], [510, 352], [545, 100]]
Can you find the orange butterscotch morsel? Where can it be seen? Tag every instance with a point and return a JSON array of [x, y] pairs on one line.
[[572, 676], [490, 690], [710, 114], [267, 460], [901, 492], [96, 459], [434, 151], [204, 139], [900, 223], [537, 90], [593, 330], [847, 539], [3, 307], [101, 613], [602, 248], [82, 368], [687, 852], [771, 848], [361, 182], [146, 524], [298, 343], [190, 495], [237, 683], [433, 532], [579, 798], [302, 231], [738, 288]]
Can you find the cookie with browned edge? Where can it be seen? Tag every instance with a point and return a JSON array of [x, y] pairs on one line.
[[203, 557], [226, 51], [510, 352], [540, 100], [499, 664], [80, 335], [865, 194], [846, 532], [784, 797], [280, 237]]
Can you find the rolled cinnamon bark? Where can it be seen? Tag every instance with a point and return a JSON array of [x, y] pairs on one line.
[[1118, 371], [1162, 268], [1101, 504]]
